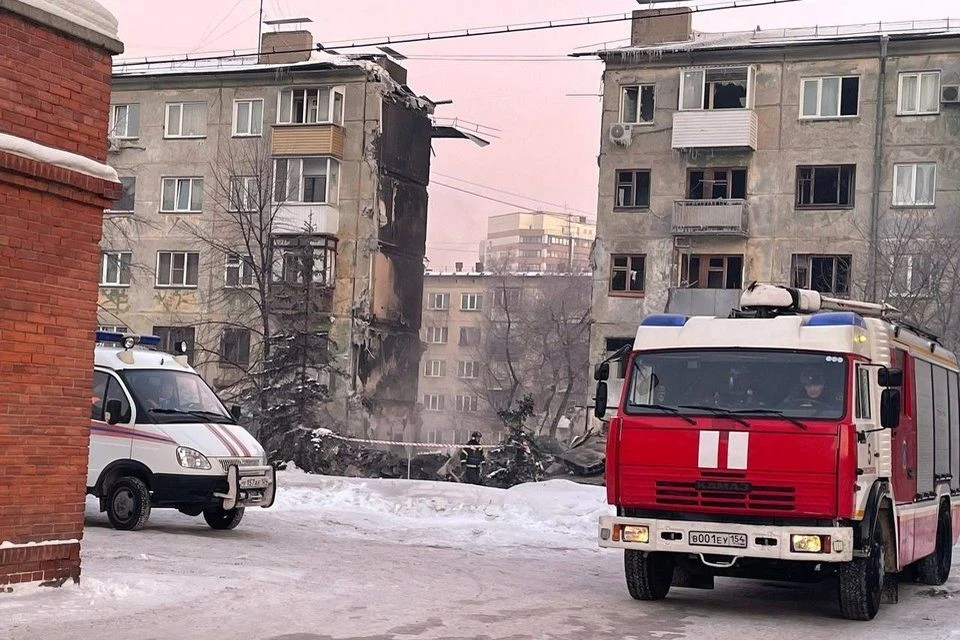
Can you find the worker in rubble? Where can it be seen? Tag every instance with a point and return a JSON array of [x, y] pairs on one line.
[[472, 458]]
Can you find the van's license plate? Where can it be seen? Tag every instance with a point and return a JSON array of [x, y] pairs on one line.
[[711, 539], [257, 483]]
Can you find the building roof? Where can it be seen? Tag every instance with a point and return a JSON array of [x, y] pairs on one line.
[[778, 38], [85, 19]]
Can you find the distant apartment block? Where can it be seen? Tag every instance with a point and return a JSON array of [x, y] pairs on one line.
[[538, 242]]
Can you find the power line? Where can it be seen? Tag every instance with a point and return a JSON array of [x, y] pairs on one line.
[[475, 32], [509, 193], [480, 195]]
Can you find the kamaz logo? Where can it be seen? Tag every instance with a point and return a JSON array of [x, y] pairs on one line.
[[733, 487]]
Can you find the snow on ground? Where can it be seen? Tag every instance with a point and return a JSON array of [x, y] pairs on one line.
[[366, 559]]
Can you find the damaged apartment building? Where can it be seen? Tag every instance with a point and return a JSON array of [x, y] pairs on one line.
[[818, 157], [294, 182]]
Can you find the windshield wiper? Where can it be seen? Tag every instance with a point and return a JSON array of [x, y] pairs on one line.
[[717, 411], [670, 410], [774, 412], [196, 414]]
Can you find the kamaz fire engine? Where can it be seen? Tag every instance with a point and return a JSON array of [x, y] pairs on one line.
[[800, 438]]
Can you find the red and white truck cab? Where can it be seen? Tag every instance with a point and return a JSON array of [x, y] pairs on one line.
[[800, 438], [160, 437]]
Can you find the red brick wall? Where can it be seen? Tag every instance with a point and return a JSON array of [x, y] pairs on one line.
[[54, 90]]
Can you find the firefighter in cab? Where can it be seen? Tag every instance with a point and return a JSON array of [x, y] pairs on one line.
[[471, 459]]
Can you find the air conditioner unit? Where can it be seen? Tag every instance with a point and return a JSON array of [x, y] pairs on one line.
[[620, 134], [950, 93], [113, 144]]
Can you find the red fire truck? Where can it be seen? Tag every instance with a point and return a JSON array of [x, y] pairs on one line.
[[801, 438]]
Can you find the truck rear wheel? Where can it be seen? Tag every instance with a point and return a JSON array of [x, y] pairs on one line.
[[220, 518], [649, 575], [935, 568], [861, 582], [128, 504]]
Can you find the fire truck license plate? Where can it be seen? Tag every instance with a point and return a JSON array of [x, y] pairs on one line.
[[710, 539], [254, 483]]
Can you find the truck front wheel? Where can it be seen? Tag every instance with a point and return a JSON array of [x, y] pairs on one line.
[[128, 504], [649, 575], [861, 582], [220, 518]]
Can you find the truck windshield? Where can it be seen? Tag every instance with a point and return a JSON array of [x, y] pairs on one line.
[[175, 396], [786, 383]]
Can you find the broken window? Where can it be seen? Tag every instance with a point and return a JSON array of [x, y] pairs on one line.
[[301, 259], [627, 274], [633, 189], [914, 184], [919, 93], [235, 347], [699, 271], [717, 184], [828, 274], [715, 88], [822, 187], [636, 105], [311, 106], [830, 97]]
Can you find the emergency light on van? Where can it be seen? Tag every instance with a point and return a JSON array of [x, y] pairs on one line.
[[125, 340], [836, 319], [664, 320]]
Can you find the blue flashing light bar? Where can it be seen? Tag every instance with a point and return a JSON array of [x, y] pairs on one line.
[[126, 341], [836, 319], [664, 320]]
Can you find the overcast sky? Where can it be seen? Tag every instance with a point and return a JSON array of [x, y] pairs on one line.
[[545, 153]]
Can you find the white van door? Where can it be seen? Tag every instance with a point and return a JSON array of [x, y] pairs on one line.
[[108, 442]]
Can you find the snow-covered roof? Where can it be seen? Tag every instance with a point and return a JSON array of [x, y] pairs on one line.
[[236, 62], [57, 157], [85, 13], [761, 38]]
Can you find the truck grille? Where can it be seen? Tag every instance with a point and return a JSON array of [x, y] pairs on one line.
[[724, 495], [239, 462]]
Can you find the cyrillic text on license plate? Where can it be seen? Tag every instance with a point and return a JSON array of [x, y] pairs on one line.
[[714, 539]]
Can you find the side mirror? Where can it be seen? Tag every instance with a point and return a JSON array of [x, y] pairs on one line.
[[235, 412], [112, 411], [600, 401], [602, 372], [890, 377], [890, 408]]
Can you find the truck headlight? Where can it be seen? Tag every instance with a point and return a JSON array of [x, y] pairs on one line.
[[192, 459], [636, 533], [801, 543]]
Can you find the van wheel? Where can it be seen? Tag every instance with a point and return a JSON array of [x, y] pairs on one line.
[[220, 518], [128, 504], [649, 575], [861, 583], [935, 568]]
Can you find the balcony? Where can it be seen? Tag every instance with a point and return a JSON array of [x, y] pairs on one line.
[[308, 140], [715, 129], [300, 217], [708, 217]]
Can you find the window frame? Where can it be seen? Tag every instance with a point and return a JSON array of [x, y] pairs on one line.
[[914, 166], [292, 250], [245, 271], [477, 302], [193, 180], [618, 183], [704, 269], [637, 118], [432, 334], [331, 188], [819, 80], [333, 117], [465, 339], [250, 119], [862, 397], [803, 263], [467, 403], [729, 181], [121, 268], [824, 206], [471, 372], [126, 135], [703, 70], [186, 270], [919, 75], [432, 301], [235, 190], [182, 105], [434, 368], [133, 182], [627, 293], [428, 402]]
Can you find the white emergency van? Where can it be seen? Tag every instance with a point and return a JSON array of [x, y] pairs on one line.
[[160, 438]]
